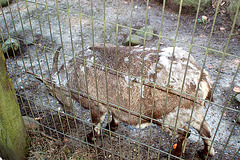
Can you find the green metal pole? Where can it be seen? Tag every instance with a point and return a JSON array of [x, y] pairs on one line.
[[13, 138]]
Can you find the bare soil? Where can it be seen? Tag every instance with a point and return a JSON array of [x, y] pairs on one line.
[[42, 29]]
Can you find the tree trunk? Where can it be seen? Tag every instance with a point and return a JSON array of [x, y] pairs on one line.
[[13, 138]]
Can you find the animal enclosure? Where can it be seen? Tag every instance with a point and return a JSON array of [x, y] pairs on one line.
[[96, 95]]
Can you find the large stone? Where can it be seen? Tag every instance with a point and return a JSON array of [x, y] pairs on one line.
[[3, 3], [149, 34], [188, 6], [135, 40], [10, 46], [237, 97], [30, 123], [232, 9]]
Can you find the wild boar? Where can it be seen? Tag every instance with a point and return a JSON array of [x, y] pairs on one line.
[[136, 80]]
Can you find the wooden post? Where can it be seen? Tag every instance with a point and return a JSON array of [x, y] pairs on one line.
[[13, 138]]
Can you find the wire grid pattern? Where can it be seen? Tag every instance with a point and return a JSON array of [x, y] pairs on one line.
[[47, 102]]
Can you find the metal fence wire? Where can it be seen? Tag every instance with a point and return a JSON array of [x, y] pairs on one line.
[[72, 68]]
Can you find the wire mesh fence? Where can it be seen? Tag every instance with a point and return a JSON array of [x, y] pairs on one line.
[[71, 71]]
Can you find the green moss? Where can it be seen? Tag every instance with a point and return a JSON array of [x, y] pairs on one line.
[[11, 45], [149, 34], [135, 40], [232, 9], [13, 138], [193, 4], [4, 3]]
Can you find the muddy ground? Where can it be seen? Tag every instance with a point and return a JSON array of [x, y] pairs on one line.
[[42, 29]]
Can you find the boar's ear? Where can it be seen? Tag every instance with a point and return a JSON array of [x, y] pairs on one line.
[[100, 47], [206, 77], [55, 61], [97, 46], [209, 95]]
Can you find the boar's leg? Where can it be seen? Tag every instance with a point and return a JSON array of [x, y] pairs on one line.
[[206, 134], [98, 115], [68, 105], [182, 141], [113, 124], [64, 98]]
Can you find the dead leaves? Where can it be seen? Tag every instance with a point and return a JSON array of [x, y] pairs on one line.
[[202, 36], [237, 61], [223, 11], [215, 3], [221, 28], [203, 19], [236, 89], [209, 66]]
